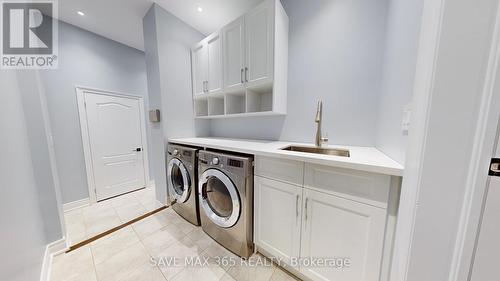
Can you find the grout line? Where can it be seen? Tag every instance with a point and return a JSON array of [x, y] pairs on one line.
[[93, 263], [98, 236]]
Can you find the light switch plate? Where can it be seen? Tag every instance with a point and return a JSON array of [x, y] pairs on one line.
[[154, 115], [405, 124]]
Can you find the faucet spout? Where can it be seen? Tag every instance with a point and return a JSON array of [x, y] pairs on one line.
[[318, 120]]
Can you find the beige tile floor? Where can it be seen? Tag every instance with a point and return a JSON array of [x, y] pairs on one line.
[[86, 222], [141, 251]]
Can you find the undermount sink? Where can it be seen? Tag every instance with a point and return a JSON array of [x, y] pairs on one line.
[[318, 150]]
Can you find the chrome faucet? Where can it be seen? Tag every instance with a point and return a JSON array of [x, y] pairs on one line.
[[320, 140]]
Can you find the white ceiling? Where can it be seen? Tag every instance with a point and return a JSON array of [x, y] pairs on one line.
[[121, 20]]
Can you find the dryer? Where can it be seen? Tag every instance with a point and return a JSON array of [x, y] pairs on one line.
[[225, 191], [182, 179]]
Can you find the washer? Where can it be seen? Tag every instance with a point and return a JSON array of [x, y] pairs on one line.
[[182, 180], [225, 191]]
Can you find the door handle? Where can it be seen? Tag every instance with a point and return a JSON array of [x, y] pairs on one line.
[[138, 149], [246, 74], [297, 208], [307, 201], [494, 167], [241, 76]]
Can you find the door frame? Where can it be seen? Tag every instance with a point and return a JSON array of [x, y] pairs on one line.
[[82, 112], [485, 142]]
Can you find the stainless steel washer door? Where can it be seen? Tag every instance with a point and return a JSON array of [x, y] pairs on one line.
[[179, 180], [219, 198]]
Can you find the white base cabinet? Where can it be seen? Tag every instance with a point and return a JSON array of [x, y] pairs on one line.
[[344, 230], [300, 222], [278, 217]]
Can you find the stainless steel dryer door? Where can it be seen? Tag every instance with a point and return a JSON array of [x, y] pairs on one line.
[[179, 180], [219, 198]]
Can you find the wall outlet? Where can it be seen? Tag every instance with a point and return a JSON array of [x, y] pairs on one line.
[[405, 123]]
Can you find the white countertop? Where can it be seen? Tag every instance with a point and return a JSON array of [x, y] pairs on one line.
[[367, 159]]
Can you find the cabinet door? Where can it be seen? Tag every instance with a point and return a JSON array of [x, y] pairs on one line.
[[259, 44], [234, 58], [199, 66], [334, 227], [214, 59], [277, 218]]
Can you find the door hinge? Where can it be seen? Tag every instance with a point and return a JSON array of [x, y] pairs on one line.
[[494, 167]]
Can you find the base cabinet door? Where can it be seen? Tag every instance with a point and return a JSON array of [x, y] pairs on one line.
[[343, 230], [278, 218]]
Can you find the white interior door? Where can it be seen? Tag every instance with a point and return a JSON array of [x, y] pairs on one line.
[[485, 266], [116, 144]]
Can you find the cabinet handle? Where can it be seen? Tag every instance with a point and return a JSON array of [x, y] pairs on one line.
[[241, 76], [207, 85], [307, 201], [297, 208], [204, 87], [246, 74]]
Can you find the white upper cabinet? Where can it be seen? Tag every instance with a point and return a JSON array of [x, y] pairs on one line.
[[214, 60], [234, 55], [199, 66], [244, 66], [259, 44], [207, 65]]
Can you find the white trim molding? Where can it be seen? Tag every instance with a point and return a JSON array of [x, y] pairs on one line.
[[80, 95], [477, 180], [151, 184], [76, 204], [430, 34], [51, 250]]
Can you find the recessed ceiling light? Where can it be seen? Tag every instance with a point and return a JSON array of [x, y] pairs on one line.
[[81, 13], [199, 9]]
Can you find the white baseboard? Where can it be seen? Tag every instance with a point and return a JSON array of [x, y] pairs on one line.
[[76, 204], [51, 250]]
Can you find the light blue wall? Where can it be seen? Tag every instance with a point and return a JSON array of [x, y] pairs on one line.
[[336, 53], [403, 28], [167, 43], [38, 128], [154, 88], [86, 59], [23, 234]]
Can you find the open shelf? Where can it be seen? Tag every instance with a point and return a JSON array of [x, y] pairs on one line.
[[235, 103], [215, 106], [255, 101], [201, 107], [259, 100]]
